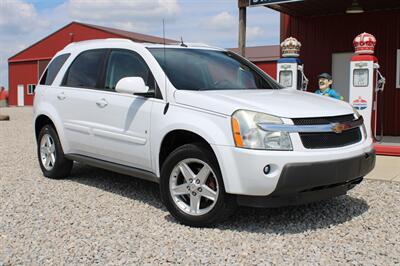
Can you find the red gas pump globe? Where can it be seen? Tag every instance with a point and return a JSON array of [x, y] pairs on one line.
[[364, 44]]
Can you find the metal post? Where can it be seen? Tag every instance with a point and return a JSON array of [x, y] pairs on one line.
[[242, 26]]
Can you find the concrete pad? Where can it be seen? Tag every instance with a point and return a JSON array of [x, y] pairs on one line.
[[387, 168]]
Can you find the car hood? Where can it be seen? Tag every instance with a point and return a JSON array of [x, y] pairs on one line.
[[283, 103]]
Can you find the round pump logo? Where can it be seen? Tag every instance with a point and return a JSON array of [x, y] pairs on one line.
[[360, 103]]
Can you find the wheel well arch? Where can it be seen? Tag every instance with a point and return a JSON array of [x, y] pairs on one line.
[[177, 138], [40, 122]]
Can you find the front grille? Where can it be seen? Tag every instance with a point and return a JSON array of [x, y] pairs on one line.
[[323, 120], [328, 139]]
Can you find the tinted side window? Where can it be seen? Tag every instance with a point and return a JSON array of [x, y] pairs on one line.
[[123, 64], [85, 70], [53, 69]]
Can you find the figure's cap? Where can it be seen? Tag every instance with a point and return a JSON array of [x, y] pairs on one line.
[[325, 76]]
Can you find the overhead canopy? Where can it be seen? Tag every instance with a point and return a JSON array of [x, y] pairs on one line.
[[330, 7]]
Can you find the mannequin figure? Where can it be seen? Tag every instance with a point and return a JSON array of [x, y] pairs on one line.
[[325, 82]]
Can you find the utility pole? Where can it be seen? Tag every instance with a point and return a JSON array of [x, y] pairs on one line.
[[242, 4]]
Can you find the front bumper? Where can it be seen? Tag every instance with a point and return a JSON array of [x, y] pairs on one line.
[[242, 169], [302, 183]]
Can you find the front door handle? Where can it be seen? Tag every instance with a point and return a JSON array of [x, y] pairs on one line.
[[102, 103], [61, 96]]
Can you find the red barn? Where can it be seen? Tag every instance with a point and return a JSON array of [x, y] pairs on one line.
[[25, 68]]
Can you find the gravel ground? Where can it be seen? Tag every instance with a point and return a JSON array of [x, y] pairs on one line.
[[98, 217]]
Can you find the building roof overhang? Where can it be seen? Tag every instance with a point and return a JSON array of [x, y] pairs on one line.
[[331, 7]]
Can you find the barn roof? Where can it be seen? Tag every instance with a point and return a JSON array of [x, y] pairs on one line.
[[134, 36]]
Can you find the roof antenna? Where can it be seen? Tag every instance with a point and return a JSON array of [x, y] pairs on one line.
[[165, 71], [182, 43]]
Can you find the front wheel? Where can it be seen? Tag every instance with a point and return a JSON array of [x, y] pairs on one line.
[[192, 188]]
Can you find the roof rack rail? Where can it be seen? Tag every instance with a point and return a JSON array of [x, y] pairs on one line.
[[197, 44], [119, 39], [98, 40]]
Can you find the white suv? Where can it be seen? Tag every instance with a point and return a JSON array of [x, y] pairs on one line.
[[210, 127]]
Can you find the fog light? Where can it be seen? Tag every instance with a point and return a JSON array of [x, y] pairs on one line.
[[267, 169]]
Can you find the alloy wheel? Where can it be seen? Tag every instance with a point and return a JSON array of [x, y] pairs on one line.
[[194, 187], [47, 152]]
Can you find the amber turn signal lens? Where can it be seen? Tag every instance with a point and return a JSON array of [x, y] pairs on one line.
[[236, 133]]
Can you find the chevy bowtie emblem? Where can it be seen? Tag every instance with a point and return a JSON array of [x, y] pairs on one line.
[[339, 128]]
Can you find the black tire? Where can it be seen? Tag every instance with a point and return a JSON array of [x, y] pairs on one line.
[[62, 166], [224, 206]]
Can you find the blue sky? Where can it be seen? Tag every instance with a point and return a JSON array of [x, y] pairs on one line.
[[215, 22], [45, 4]]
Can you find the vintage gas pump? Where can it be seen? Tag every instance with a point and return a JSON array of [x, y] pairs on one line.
[[290, 69], [366, 83]]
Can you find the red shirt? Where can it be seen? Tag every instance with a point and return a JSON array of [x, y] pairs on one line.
[[3, 95]]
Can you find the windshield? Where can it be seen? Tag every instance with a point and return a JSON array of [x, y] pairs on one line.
[[200, 69]]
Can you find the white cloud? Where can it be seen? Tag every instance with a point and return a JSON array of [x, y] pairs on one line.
[[221, 21], [140, 15], [20, 24], [18, 17], [223, 28], [254, 32]]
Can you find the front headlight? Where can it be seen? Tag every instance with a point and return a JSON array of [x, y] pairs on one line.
[[248, 135]]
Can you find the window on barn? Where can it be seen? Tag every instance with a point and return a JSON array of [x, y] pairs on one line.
[[31, 89]]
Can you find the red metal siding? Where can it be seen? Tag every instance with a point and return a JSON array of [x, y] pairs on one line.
[[23, 67], [22, 73], [269, 67], [49, 46], [322, 36]]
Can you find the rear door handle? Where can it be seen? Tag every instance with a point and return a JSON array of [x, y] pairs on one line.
[[61, 96], [102, 103]]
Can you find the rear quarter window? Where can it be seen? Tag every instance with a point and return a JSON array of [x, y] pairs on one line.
[[53, 69]]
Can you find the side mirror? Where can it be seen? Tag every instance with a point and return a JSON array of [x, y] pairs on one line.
[[131, 85]]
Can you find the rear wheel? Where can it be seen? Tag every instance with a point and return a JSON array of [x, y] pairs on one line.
[[192, 188], [51, 157]]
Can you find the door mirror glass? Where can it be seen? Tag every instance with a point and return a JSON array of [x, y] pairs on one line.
[[131, 85]]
